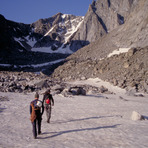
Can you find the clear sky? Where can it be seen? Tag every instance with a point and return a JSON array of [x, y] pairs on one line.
[[29, 11]]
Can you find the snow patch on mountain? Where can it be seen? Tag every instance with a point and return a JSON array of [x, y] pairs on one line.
[[33, 65], [49, 31], [62, 49], [19, 41], [30, 41], [75, 24], [118, 51]]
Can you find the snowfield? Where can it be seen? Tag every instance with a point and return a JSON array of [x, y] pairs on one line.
[[91, 121], [34, 65]]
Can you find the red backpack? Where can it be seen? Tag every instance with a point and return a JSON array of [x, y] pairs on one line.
[[47, 101]]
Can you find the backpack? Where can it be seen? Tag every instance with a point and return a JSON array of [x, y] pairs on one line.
[[47, 101], [38, 105]]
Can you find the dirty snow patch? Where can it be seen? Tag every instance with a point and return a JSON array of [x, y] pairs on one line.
[[118, 51]]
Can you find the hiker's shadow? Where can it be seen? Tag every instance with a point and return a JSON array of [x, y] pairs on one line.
[[145, 117], [1, 109], [96, 96], [76, 120], [55, 134]]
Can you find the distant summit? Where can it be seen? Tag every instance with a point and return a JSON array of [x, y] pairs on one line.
[[55, 32]]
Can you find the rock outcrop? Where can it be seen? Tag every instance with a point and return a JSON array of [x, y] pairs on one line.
[[24, 82], [136, 116]]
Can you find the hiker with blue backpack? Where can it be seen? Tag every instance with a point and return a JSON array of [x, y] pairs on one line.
[[36, 115], [48, 103]]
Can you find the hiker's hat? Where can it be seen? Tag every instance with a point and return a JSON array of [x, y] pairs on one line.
[[47, 91], [36, 95]]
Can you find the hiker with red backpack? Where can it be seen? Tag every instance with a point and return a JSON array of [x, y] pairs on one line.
[[48, 102], [36, 115]]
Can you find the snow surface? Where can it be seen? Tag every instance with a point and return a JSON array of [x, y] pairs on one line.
[[19, 40], [49, 31], [30, 41], [5, 65], [73, 29], [49, 50], [34, 65], [91, 121], [98, 83]]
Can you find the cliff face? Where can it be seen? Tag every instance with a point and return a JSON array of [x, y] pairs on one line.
[[102, 17], [135, 31], [113, 12]]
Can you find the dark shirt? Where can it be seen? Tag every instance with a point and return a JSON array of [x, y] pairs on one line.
[[47, 95], [38, 112]]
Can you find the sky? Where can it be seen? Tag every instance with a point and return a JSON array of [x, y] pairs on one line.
[[29, 11]]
